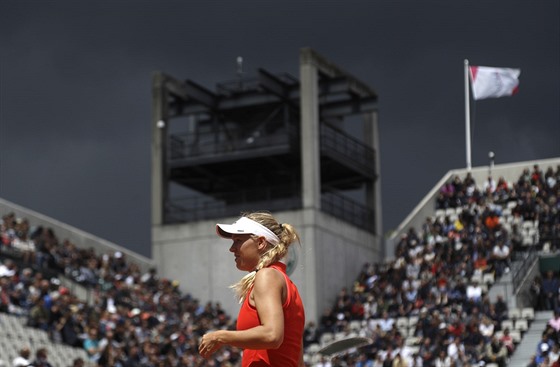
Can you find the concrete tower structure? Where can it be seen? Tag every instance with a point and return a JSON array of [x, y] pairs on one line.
[[306, 150]]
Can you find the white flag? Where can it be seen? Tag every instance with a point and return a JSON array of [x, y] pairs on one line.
[[489, 82]]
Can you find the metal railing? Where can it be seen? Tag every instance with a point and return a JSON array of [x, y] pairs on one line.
[[348, 210], [194, 208], [348, 147]]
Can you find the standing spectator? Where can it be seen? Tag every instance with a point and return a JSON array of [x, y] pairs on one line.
[[535, 290], [550, 285]]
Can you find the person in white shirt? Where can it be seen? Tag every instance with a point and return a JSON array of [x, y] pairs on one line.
[[474, 292], [23, 359], [386, 322]]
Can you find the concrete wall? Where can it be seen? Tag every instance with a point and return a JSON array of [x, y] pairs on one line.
[[200, 260]]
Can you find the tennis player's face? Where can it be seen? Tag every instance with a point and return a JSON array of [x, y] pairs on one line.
[[245, 248]]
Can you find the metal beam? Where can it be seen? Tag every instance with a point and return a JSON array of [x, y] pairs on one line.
[[350, 107], [272, 84], [199, 93]]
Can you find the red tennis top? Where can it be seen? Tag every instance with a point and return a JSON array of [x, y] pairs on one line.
[[288, 354]]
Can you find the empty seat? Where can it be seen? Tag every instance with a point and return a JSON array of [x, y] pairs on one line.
[[340, 335], [450, 211], [528, 313], [476, 277], [516, 336], [412, 340], [326, 338], [514, 313], [313, 348], [507, 324], [402, 322], [414, 349], [521, 325], [488, 278], [528, 224], [528, 241], [355, 325]]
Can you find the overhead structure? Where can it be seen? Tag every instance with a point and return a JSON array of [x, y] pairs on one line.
[[269, 141], [304, 148]]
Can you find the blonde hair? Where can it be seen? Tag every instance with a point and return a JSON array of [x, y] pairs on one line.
[[287, 235]]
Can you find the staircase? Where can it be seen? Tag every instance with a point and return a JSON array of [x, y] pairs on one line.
[[531, 338]]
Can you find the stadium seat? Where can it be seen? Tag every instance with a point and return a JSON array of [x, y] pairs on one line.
[[507, 324], [488, 278], [515, 335], [528, 313], [313, 348], [355, 325], [326, 338], [412, 321], [412, 340], [514, 313], [521, 325], [476, 277], [402, 322], [511, 204], [527, 241]]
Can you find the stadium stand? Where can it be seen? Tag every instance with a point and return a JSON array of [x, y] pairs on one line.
[[431, 305]]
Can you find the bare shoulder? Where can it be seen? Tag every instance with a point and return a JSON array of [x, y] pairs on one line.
[[269, 277]]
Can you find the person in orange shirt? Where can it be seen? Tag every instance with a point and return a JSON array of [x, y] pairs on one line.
[[271, 320]]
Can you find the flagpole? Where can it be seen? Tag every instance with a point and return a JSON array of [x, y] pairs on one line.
[[467, 116]]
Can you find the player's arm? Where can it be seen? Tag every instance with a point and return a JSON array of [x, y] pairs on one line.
[[267, 295]]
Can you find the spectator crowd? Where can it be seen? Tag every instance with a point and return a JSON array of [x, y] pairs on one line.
[[136, 318]]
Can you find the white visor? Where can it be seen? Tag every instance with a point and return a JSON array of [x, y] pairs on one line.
[[245, 225]]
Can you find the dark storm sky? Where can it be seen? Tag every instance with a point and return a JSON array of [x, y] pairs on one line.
[[75, 88]]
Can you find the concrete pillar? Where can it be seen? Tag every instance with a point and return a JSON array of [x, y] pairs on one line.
[[159, 131], [310, 140]]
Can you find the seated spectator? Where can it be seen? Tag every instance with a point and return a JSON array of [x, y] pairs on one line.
[[22, 360], [443, 360], [41, 359], [554, 322], [39, 315], [543, 347], [386, 323], [507, 340], [489, 186], [92, 344], [474, 292], [496, 352], [456, 352], [554, 353], [501, 256], [486, 328]]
